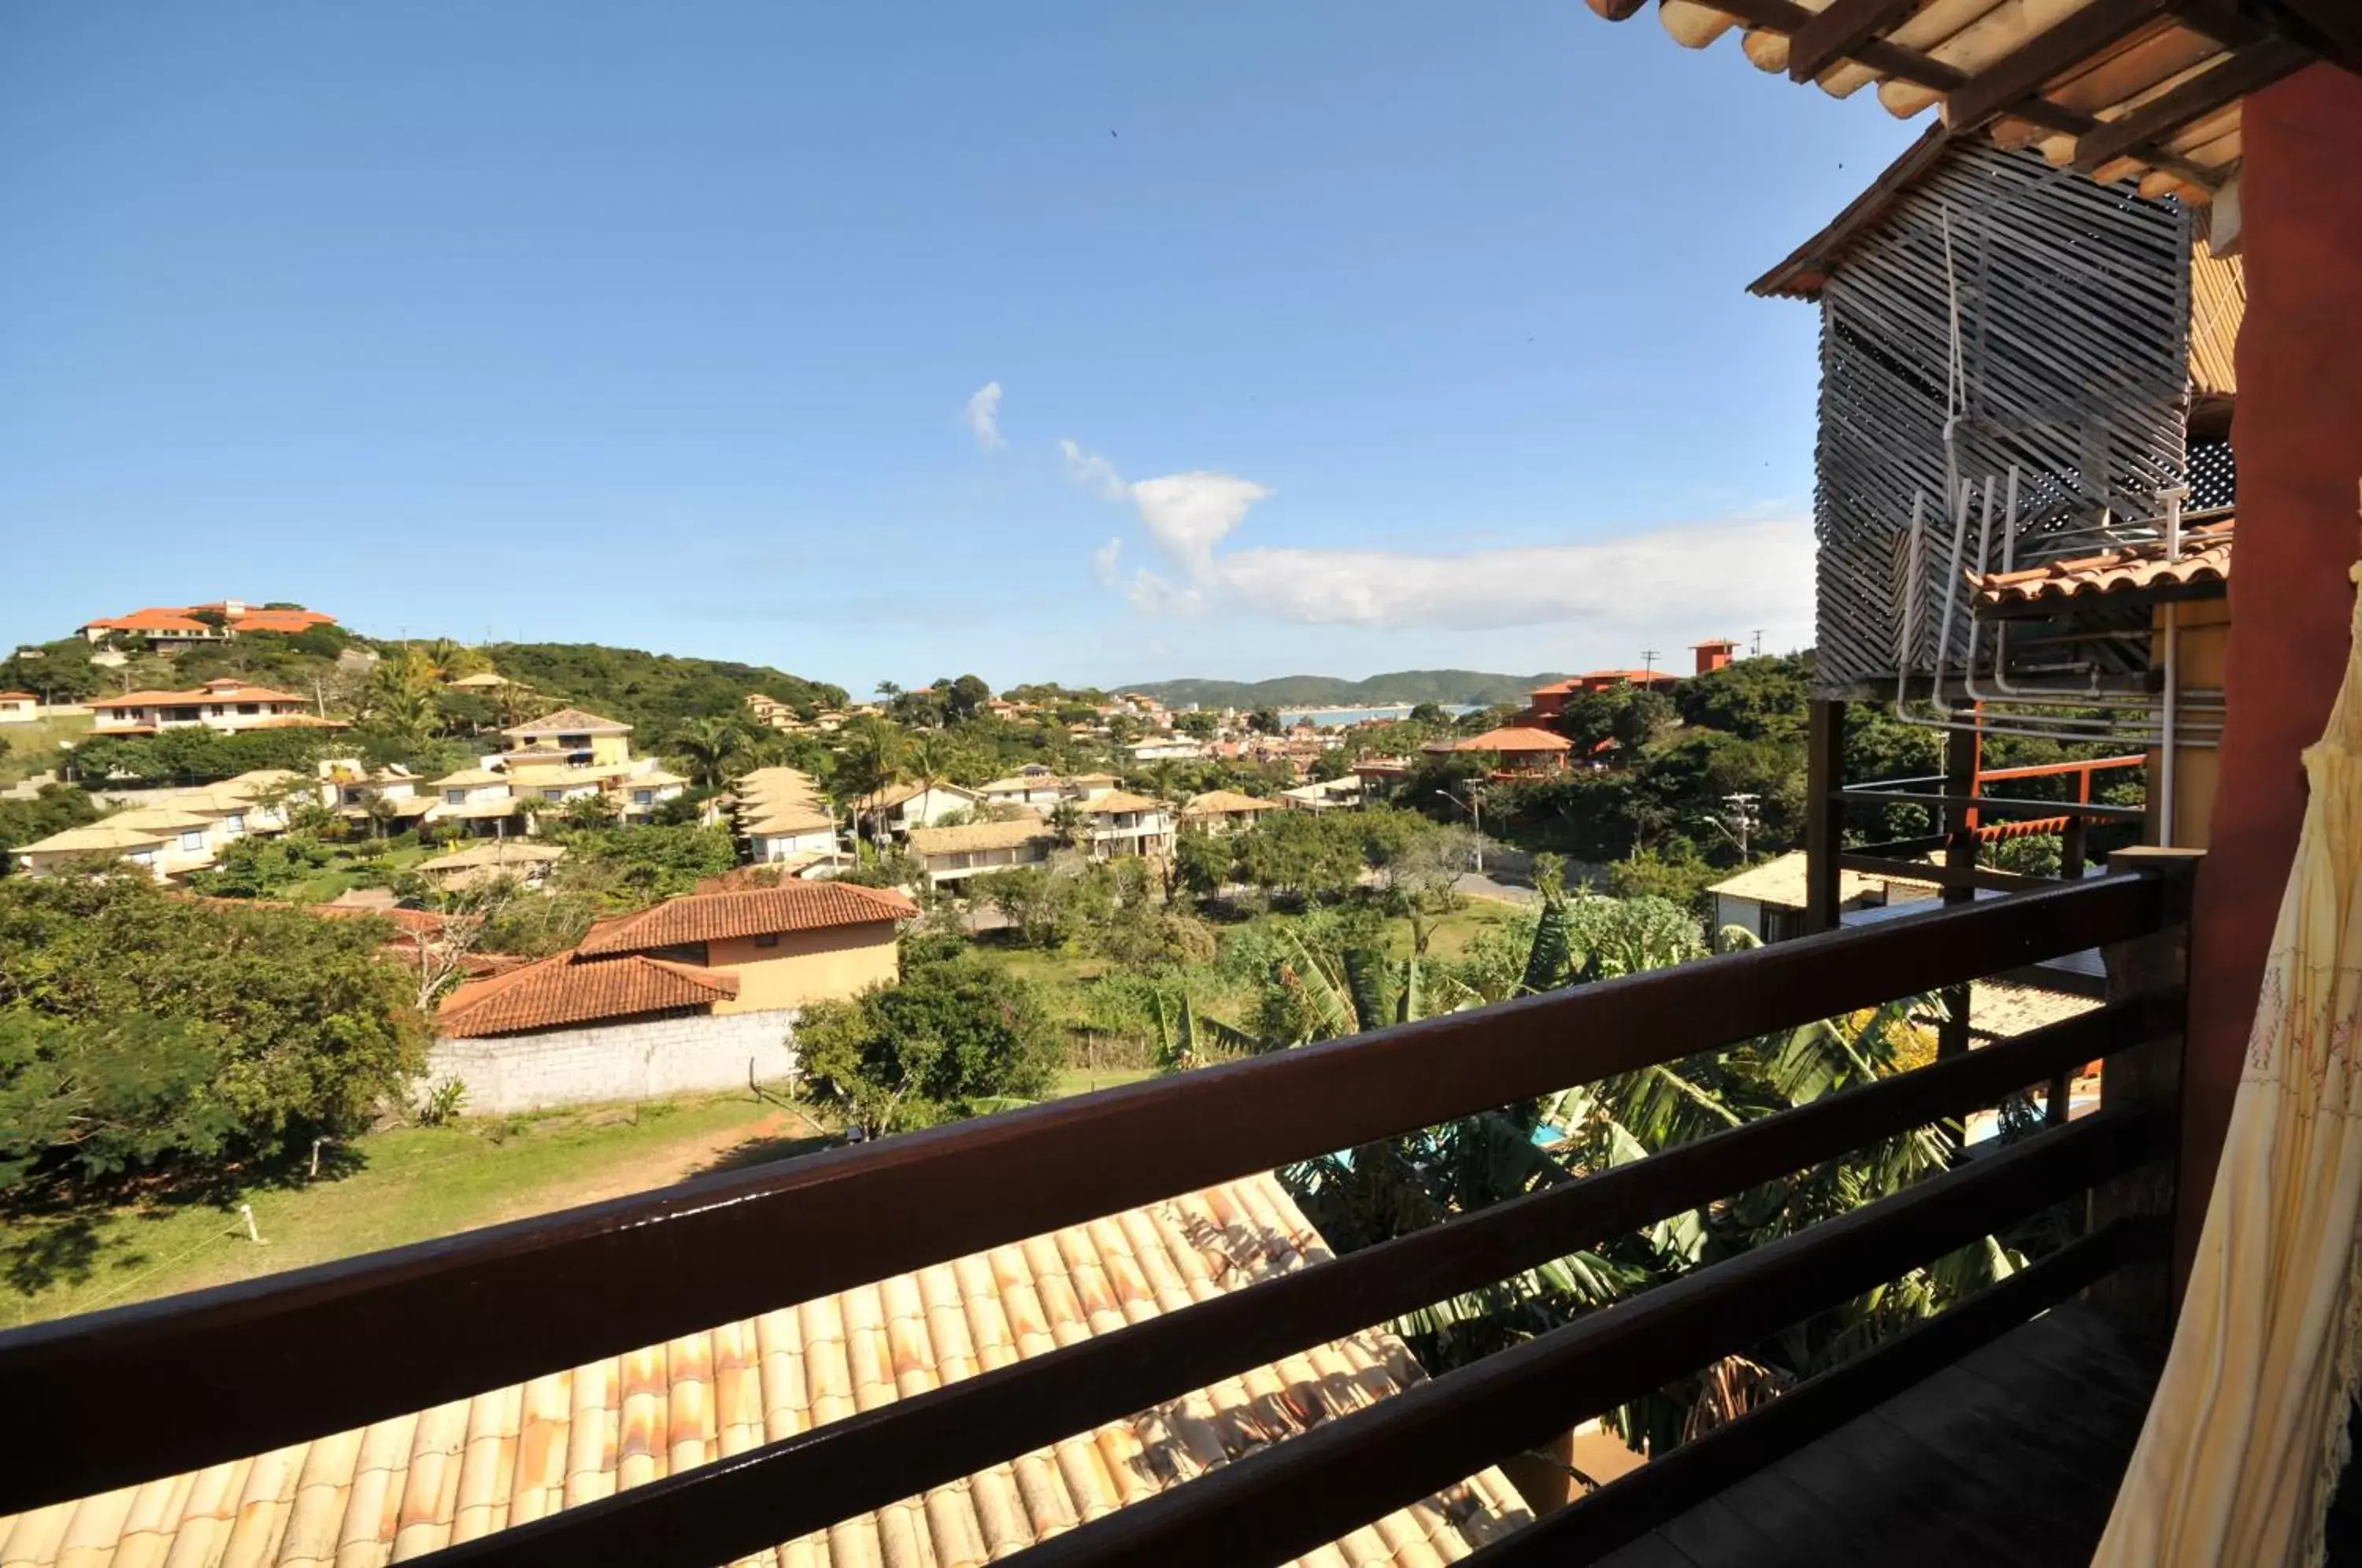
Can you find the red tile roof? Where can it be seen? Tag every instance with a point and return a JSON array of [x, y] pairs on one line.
[[218, 691], [754, 911], [287, 621], [1516, 737], [401, 1488], [19, 696], [2205, 558], [564, 989]]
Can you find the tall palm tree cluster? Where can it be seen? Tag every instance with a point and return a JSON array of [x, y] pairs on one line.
[[1394, 1185]]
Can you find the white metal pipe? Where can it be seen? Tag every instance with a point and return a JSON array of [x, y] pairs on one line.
[[2165, 766]]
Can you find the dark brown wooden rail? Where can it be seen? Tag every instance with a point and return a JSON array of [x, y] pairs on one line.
[[1633, 1505], [445, 1318], [1289, 1500], [398, 1331], [720, 1511]]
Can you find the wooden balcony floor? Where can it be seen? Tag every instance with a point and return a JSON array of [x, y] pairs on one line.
[[2013, 1455]]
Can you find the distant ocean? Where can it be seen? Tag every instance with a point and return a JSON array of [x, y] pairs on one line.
[[1337, 717]]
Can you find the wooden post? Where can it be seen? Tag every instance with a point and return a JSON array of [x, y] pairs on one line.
[[1963, 748], [1823, 813], [2146, 1294]]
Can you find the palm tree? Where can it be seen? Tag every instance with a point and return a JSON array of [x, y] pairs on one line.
[[870, 756], [1395, 1184], [711, 747]]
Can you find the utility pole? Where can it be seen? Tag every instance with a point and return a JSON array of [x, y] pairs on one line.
[[1756, 651], [1741, 825], [1648, 665]]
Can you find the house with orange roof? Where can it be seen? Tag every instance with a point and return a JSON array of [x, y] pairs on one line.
[[696, 993], [19, 707], [226, 704], [167, 627]]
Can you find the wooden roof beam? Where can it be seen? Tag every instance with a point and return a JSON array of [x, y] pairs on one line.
[[2334, 22], [2238, 75], [1837, 32], [1912, 65], [2051, 53]]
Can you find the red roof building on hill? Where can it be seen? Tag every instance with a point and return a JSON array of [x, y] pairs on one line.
[[170, 626]]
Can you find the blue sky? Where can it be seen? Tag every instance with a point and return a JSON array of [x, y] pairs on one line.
[[1050, 341]]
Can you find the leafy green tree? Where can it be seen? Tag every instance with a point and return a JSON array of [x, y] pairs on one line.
[[1035, 900], [1264, 722], [966, 697], [312, 1027], [55, 808], [1754, 699], [256, 867], [954, 1037], [83, 1102], [1199, 723]]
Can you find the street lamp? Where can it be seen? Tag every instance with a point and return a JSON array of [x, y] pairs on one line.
[[1474, 807]]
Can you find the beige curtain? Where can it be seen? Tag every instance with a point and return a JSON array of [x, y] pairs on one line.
[[2246, 1438]]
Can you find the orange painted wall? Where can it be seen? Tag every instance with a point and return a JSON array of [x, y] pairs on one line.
[[807, 966], [2298, 435]]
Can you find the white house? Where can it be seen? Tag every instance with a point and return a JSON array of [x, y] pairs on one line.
[[18, 707], [1166, 748], [1119, 822], [1036, 788], [1768, 901], [217, 704], [908, 806], [953, 854]]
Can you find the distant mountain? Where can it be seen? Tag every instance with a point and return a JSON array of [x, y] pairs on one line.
[[1472, 686]]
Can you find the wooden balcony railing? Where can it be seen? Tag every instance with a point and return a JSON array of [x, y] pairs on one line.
[[231, 1372]]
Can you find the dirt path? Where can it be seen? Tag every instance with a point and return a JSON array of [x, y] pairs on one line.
[[776, 1134]]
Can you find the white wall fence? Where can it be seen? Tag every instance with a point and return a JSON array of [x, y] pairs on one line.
[[647, 1060]]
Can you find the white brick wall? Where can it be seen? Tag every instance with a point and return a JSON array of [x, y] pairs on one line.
[[617, 1061]]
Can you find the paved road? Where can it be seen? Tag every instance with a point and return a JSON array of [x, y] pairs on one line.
[[1477, 884]]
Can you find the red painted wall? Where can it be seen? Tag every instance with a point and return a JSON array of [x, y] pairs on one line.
[[2298, 435]]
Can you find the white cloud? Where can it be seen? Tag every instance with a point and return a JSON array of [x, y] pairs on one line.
[[1189, 515], [1711, 573], [1747, 570], [1152, 594], [1093, 473], [983, 416]]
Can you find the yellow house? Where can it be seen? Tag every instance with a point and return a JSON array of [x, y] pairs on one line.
[[572, 735], [797, 942]]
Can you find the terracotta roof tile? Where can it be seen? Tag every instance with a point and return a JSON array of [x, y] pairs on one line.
[[1516, 737], [1121, 800], [218, 692], [416, 1483], [565, 989], [713, 917], [2205, 558], [1214, 802], [570, 722], [979, 835]]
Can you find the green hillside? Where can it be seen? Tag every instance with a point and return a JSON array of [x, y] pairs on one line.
[[651, 690], [1473, 685]]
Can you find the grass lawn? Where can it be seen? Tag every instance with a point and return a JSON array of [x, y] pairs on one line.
[[32, 748], [406, 1185], [342, 873]]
